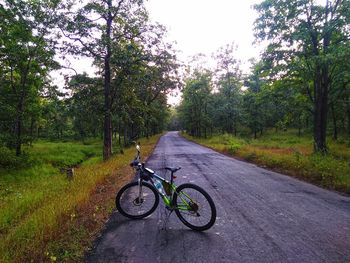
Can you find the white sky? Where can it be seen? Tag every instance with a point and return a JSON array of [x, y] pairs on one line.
[[202, 26]]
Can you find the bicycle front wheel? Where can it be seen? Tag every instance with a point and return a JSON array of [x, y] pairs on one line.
[[136, 203], [194, 207]]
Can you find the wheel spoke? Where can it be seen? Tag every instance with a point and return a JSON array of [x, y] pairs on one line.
[[134, 203], [194, 206]]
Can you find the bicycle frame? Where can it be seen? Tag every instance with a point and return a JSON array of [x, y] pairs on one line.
[[167, 199]]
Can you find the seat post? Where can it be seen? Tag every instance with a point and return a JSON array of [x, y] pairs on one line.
[[171, 177]]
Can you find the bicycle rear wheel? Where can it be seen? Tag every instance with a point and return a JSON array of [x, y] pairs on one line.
[[130, 204], [194, 207]]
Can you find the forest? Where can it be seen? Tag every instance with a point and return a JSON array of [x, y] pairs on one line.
[[301, 80], [290, 111], [135, 68], [84, 125]]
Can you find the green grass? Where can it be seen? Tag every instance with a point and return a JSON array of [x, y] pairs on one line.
[[34, 199], [288, 153]]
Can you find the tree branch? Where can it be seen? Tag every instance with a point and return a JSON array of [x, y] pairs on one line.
[[117, 8], [90, 50], [309, 93]]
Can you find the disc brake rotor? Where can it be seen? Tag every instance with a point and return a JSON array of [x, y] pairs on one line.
[[138, 201]]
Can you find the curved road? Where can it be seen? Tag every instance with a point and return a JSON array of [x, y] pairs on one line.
[[262, 216]]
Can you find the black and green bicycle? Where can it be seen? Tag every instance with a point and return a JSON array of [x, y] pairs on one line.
[[192, 204]]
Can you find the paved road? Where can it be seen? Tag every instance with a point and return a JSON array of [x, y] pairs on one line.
[[262, 216]]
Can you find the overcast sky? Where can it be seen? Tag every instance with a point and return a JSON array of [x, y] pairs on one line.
[[201, 26]]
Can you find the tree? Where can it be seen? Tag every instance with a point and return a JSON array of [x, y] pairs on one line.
[[306, 39], [252, 100], [145, 70], [85, 106], [229, 87], [26, 56], [196, 99], [93, 28]]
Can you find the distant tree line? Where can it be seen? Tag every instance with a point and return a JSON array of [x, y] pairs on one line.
[[302, 79], [126, 99]]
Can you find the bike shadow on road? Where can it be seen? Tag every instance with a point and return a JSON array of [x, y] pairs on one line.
[[126, 238]]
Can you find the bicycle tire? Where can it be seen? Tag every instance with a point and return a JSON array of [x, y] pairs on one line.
[[127, 198], [189, 194]]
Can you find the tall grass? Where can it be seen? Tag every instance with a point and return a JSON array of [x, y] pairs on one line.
[[33, 201], [288, 153]]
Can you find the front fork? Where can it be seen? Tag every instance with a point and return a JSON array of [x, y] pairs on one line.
[[140, 189]]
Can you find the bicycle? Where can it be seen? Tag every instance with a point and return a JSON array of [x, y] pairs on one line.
[[139, 199]]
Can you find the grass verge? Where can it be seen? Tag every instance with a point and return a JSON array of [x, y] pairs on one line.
[[287, 153], [47, 218]]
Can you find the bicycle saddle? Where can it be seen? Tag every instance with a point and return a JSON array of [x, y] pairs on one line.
[[173, 169]]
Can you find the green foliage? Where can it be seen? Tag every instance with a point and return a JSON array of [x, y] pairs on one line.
[[8, 159], [196, 98], [137, 71], [26, 56], [306, 45]]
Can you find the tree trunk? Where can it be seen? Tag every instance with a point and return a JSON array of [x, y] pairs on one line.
[[125, 136], [32, 122], [335, 128], [348, 113], [119, 138], [18, 132], [320, 114], [107, 129]]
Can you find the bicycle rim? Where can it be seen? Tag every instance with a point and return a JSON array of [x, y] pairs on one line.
[[131, 205], [194, 207]]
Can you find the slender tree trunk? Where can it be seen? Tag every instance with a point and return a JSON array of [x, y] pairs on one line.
[[32, 122], [107, 129], [18, 130], [125, 136], [348, 111], [335, 128], [119, 138], [147, 129], [20, 109], [320, 115]]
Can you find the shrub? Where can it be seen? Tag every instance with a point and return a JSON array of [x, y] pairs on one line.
[[8, 159], [234, 147]]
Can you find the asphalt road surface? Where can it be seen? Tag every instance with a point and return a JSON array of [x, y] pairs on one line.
[[262, 216]]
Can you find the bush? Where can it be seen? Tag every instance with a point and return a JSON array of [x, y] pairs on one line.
[[8, 159], [234, 147]]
